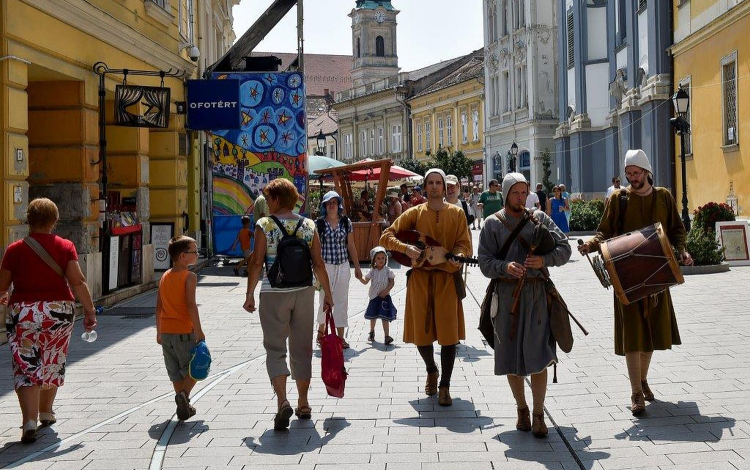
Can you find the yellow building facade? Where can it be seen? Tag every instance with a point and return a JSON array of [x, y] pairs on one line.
[[49, 132], [711, 54], [450, 114]]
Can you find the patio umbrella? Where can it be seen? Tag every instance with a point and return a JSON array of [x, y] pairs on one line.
[[395, 173], [319, 162]]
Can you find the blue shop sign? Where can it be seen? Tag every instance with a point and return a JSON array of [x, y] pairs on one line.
[[213, 104]]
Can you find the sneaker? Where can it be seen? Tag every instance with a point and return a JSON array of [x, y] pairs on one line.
[[183, 406], [371, 336]]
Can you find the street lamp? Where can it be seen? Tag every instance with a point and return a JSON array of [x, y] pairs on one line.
[[681, 103], [512, 159], [321, 142]]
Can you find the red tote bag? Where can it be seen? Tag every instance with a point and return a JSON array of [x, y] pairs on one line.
[[332, 357]]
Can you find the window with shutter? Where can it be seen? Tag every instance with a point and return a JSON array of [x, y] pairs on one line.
[[571, 56], [729, 79]]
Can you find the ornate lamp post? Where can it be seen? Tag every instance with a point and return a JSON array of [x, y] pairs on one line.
[[321, 143], [512, 157], [681, 103]]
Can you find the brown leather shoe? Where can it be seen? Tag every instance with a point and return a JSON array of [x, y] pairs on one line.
[[538, 428], [648, 395], [638, 405], [444, 397], [430, 388], [524, 420]]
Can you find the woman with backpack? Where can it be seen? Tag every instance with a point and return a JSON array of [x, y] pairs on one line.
[[289, 246], [337, 244]]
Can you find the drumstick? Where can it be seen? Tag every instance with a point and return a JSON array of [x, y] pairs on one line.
[[580, 242]]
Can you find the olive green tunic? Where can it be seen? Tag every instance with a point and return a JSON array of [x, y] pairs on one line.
[[650, 323]]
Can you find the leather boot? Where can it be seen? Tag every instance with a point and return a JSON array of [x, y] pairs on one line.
[[430, 387], [524, 419], [638, 404], [538, 428], [444, 397], [648, 395]]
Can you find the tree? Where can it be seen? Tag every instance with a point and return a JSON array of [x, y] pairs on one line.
[[546, 164], [453, 163], [412, 164]]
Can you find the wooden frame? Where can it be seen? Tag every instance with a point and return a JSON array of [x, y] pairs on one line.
[[366, 233], [734, 237]]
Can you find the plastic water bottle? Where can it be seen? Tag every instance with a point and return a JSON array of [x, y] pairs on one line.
[[89, 336]]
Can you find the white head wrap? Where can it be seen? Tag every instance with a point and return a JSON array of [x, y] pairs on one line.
[[510, 180], [638, 158], [375, 251], [439, 172]]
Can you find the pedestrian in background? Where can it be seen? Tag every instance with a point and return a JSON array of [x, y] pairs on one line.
[[260, 208], [286, 312], [491, 200], [244, 237], [556, 209], [394, 208], [649, 324], [525, 344], [381, 305], [566, 196], [615, 185], [542, 197], [336, 236], [416, 197], [44, 271], [474, 202], [178, 324]]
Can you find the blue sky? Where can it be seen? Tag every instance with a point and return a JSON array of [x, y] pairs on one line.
[[428, 30]]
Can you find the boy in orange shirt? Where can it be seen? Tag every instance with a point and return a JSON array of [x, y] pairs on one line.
[[178, 326], [243, 237]]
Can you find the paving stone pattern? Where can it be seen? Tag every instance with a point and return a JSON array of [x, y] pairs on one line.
[[117, 400]]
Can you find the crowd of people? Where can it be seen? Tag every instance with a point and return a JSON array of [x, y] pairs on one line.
[[290, 250]]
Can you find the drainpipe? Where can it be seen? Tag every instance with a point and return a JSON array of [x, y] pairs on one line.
[[401, 94]]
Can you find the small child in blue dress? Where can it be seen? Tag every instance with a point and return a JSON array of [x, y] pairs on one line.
[[380, 306]]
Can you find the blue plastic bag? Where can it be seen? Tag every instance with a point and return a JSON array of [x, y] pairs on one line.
[[200, 361]]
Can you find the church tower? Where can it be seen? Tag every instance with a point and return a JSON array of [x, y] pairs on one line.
[[373, 41]]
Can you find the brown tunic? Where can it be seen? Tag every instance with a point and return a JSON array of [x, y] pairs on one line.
[[650, 323], [433, 311]]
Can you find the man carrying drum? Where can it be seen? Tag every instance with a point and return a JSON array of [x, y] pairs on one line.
[[648, 324]]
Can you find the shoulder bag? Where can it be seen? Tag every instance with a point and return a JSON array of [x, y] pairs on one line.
[[42, 253]]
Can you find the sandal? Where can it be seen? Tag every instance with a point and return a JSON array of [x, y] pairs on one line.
[[281, 419], [344, 344], [371, 336], [303, 412], [47, 419], [388, 340], [28, 435]]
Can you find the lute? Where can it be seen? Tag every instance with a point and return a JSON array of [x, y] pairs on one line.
[[432, 252]]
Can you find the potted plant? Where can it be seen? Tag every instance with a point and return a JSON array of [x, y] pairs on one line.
[[701, 240]]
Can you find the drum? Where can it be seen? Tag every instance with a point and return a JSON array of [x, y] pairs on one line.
[[640, 263]]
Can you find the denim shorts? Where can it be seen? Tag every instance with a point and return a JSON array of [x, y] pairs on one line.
[[176, 349]]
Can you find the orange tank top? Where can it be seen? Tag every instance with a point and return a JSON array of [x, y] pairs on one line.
[[174, 314], [245, 239]]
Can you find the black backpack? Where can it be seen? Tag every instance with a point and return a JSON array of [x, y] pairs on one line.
[[293, 264]]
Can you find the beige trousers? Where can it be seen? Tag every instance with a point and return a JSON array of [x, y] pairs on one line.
[[288, 315]]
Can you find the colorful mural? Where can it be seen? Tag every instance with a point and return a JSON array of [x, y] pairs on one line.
[[271, 143]]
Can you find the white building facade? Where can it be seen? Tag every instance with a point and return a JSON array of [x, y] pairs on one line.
[[520, 38]]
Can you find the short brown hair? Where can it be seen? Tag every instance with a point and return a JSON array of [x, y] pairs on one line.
[[179, 245], [42, 212], [283, 191]]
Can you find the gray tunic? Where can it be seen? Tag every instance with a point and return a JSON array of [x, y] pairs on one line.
[[533, 348]]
